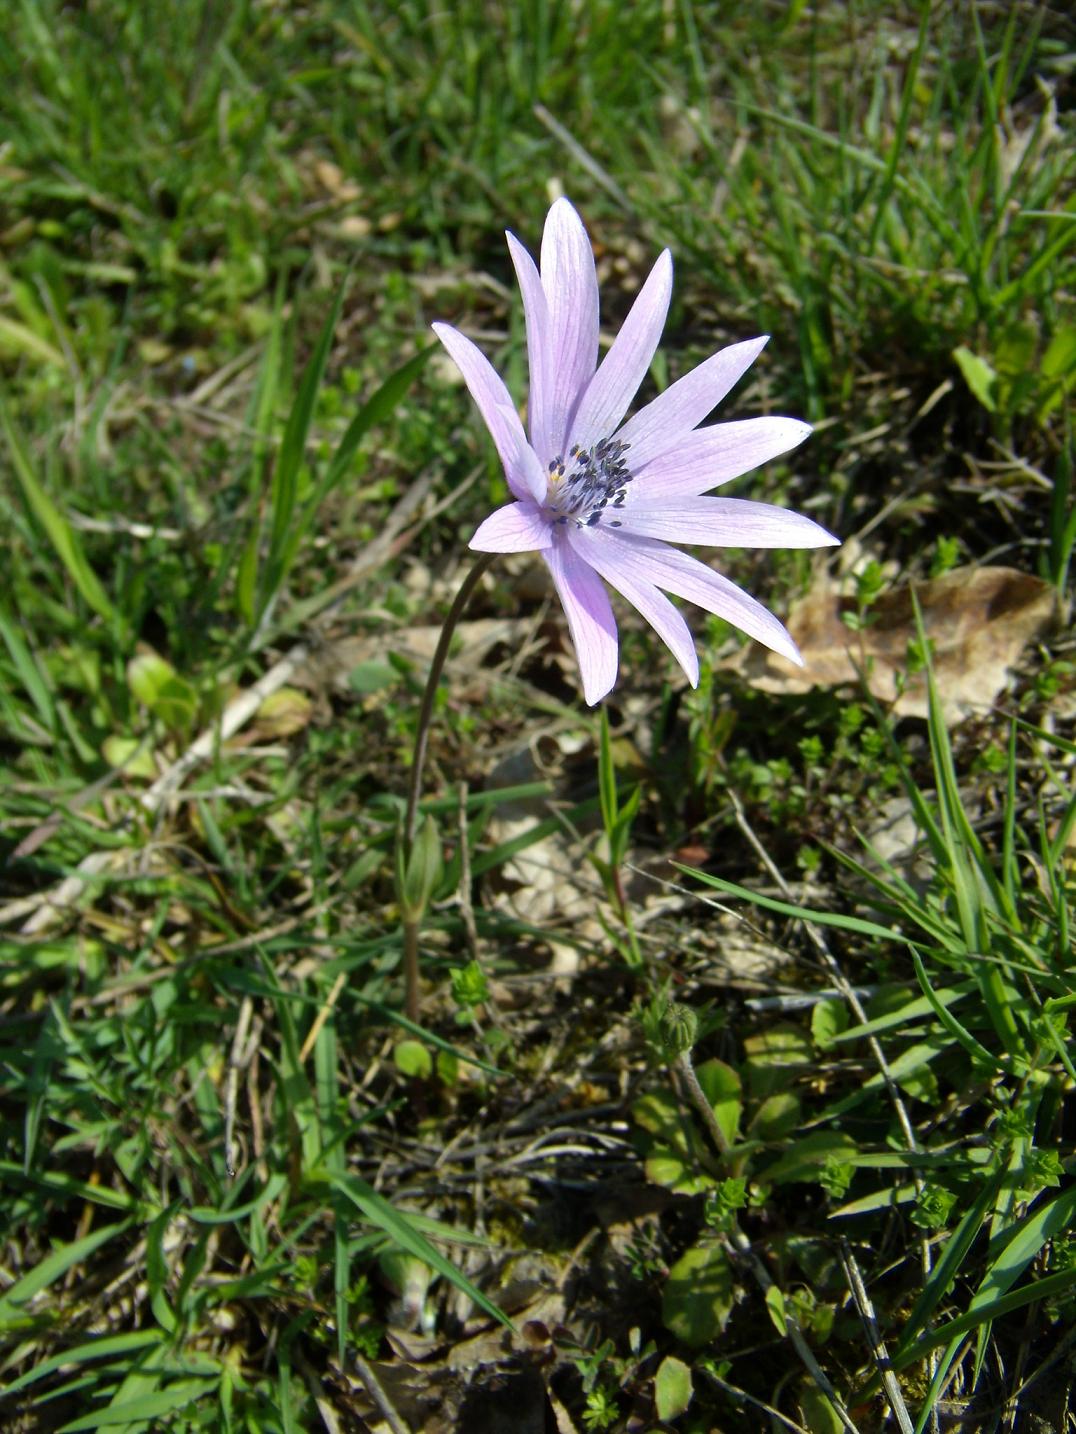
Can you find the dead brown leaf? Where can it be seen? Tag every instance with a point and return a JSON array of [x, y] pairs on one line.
[[978, 619]]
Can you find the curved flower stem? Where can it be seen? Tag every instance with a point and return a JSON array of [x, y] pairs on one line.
[[698, 1099], [418, 762]]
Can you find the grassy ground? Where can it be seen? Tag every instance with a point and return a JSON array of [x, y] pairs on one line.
[[782, 1141]]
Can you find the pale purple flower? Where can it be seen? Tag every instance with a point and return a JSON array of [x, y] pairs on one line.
[[603, 499]]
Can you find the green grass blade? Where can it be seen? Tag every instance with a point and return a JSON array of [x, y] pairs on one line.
[[975, 885], [298, 1097], [1044, 257], [1010, 873], [397, 1226], [30, 675], [103, 1348], [146, 1407], [51, 1268], [341, 1280], [910, 185], [903, 898], [945, 1271], [1020, 1247], [785, 908], [993, 1297], [284, 489], [908, 1014], [1047, 1288], [1062, 524], [974, 1048], [61, 535], [56, 1182], [376, 409], [897, 147], [205, 1215]]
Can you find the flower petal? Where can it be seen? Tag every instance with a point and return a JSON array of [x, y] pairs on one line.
[[684, 404], [725, 523], [624, 367], [711, 456], [536, 313], [620, 572], [494, 404], [571, 290], [685, 576], [590, 619], [515, 528], [529, 473]]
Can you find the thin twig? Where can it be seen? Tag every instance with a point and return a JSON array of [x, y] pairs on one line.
[[742, 1246], [741, 1394], [322, 1016], [317, 1391], [257, 1129], [376, 1390], [802, 1000], [231, 1088], [1059, 1353], [237, 714], [847, 990], [850, 995], [870, 1324]]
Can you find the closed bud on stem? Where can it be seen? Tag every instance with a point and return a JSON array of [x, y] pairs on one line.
[[679, 1029], [418, 871]]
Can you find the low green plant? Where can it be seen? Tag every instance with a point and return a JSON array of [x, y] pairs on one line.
[[226, 460], [989, 951]]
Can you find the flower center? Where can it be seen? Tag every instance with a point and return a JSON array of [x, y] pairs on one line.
[[590, 482]]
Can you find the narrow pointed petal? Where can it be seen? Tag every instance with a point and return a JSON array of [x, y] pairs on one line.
[[624, 367], [662, 423], [494, 404], [590, 619], [711, 456], [725, 523], [515, 528], [571, 290], [529, 473], [686, 577], [536, 314], [620, 573]]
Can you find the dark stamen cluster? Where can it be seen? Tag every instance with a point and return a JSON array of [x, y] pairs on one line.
[[591, 481]]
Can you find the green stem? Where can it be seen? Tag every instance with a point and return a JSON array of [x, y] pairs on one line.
[[418, 763], [999, 1004], [411, 994], [425, 712], [702, 1105]]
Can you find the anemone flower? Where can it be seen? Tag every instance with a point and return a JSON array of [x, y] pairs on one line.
[[601, 498]]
